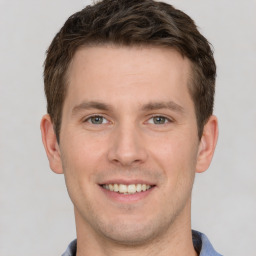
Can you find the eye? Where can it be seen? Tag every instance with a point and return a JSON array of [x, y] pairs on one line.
[[159, 120], [96, 120]]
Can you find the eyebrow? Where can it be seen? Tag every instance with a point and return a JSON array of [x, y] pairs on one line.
[[147, 107], [163, 105], [90, 105]]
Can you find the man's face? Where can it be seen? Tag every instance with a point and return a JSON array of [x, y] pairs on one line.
[[129, 124]]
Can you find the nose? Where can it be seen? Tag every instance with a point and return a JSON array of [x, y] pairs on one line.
[[127, 147]]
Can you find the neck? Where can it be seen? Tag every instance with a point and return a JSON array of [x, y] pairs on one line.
[[175, 241]]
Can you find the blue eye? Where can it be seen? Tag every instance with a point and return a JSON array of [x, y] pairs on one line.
[[158, 120], [96, 120]]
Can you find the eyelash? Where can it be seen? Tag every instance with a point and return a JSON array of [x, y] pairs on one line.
[[166, 120], [89, 119]]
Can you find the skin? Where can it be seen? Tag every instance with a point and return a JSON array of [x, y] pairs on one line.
[[145, 131]]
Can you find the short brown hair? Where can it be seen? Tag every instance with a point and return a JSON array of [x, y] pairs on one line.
[[129, 23]]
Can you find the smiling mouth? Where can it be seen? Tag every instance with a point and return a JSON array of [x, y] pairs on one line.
[[127, 189]]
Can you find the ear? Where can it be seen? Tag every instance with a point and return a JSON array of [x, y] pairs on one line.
[[50, 144], [207, 144]]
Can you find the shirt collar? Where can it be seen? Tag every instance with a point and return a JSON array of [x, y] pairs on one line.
[[201, 244]]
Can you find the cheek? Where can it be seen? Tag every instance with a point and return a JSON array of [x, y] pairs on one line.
[[176, 155], [81, 157]]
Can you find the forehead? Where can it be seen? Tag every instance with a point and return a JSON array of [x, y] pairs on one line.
[[143, 73], [129, 58]]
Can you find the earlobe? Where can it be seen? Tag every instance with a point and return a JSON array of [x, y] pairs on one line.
[[50, 144], [207, 144]]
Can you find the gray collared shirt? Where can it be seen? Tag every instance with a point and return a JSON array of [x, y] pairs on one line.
[[201, 244]]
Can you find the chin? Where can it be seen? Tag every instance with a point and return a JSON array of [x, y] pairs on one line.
[[132, 233]]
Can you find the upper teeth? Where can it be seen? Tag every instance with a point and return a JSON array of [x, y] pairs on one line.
[[126, 189]]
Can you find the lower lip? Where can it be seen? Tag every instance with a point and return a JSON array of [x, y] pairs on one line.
[[126, 198]]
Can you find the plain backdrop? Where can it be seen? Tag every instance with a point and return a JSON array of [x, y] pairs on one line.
[[36, 215]]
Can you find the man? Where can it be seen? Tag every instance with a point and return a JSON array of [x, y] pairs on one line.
[[130, 90]]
